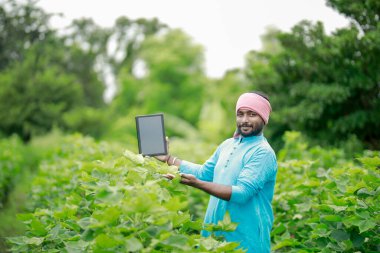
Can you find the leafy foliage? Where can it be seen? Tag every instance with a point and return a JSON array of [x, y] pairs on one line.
[[174, 81], [86, 198], [34, 97], [86, 120], [365, 13], [15, 157], [325, 86], [324, 203], [21, 26]]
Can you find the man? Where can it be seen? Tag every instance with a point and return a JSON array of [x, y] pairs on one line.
[[240, 177]]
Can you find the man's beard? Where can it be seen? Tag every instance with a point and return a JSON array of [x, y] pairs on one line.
[[256, 131]]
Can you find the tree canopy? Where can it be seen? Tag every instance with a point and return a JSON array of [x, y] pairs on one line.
[[324, 85]]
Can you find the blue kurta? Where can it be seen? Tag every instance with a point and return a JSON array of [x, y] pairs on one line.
[[249, 165]]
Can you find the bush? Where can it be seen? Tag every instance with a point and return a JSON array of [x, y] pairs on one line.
[[87, 198], [324, 203], [14, 158]]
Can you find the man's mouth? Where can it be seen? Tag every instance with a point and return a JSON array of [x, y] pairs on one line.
[[246, 128]]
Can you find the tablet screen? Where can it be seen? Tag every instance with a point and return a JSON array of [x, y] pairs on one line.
[[151, 134]]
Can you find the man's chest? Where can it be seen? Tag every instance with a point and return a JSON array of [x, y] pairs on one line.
[[231, 161]]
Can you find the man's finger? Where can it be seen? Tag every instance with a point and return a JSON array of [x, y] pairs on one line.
[[187, 176], [169, 176]]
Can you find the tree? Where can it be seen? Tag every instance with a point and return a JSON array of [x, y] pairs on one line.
[[97, 53], [217, 119], [86, 46], [325, 86], [21, 25], [364, 13], [174, 80], [129, 36], [34, 97]]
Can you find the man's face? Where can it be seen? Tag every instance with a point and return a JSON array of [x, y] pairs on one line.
[[248, 122]]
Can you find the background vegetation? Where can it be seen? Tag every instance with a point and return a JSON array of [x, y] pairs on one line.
[[324, 90]]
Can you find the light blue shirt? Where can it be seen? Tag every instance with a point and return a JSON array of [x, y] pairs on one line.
[[249, 165]]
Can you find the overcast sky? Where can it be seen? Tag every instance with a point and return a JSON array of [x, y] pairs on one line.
[[227, 29]]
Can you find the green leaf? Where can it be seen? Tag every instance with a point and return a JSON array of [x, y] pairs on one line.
[[76, 246], [133, 244], [25, 217], [285, 243], [176, 241], [227, 246], [71, 224], [179, 219], [37, 228], [338, 208], [372, 162], [333, 218], [34, 240], [104, 241], [365, 192], [109, 215], [86, 222], [278, 230], [366, 225], [19, 240], [340, 235], [137, 159]]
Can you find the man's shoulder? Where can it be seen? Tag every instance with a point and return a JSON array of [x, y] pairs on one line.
[[265, 148], [227, 141]]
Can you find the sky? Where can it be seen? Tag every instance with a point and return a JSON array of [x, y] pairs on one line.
[[227, 29]]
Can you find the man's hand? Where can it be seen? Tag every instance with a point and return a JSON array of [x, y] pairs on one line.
[[164, 158], [169, 176], [218, 190], [190, 180], [186, 179]]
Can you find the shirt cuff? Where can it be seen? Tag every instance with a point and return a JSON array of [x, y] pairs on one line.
[[236, 194]]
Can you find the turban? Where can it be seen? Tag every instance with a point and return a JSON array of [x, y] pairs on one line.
[[256, 103]]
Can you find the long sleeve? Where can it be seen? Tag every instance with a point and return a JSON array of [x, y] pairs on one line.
[[260, 168], [203, 172]]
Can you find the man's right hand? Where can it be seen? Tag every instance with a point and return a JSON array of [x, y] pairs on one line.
[[164, 158]]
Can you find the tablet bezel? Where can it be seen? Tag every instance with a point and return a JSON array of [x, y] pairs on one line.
[[161, 116]]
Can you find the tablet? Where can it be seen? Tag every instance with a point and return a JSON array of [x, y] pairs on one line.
[[151, 134]]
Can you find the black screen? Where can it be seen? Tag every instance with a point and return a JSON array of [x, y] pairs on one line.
[[151, 134]]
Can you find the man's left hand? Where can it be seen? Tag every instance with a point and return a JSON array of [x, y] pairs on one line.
[[189, 179]]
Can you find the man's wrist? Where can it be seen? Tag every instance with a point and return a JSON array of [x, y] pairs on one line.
[[172, 160], [168, 159], [199, 184]]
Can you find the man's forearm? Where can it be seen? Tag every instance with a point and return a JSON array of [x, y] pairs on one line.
[[218, 190]]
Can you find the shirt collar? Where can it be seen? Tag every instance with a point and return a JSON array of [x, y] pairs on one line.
[[254, 138]]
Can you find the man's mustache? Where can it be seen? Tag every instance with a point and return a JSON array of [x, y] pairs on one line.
[[245, 125]]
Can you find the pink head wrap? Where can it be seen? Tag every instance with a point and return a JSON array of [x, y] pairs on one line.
[[256, 103]]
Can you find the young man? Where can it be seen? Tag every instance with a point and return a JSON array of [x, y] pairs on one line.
[[240, 177]]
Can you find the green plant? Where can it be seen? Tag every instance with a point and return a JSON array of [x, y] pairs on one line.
[[324, 203], [88, 198]]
